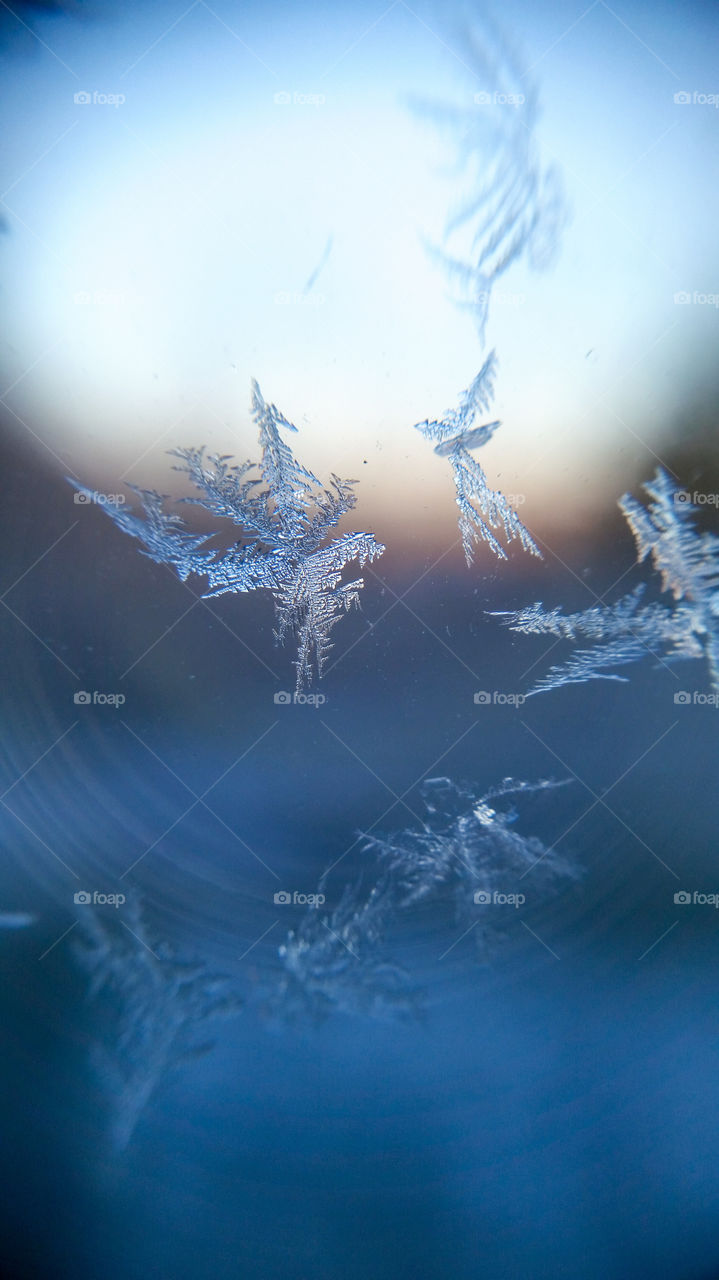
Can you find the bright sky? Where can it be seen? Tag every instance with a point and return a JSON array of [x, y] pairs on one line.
[[159, 249]]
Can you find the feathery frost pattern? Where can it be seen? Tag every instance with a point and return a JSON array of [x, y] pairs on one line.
[[337, 962], [285, 515], [628, 630], [159, 1009], [508, 202], [482, 511], [156, 1008], [467, 845]]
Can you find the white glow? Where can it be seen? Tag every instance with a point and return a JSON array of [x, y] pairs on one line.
[[161, 249]]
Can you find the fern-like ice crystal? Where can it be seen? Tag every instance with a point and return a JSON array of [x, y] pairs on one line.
[[483, 512], [627, 631], [507, 202], [336, 961], [157, 1009], [467, 845], [284, 515]]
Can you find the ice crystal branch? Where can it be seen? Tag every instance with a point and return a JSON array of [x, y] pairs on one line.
[[508, 204], [483, 511], [465, 846], [507, 201], [159, 1008], [336, 961], [333, 963], [285, 516], [457, 425], [687, 627]]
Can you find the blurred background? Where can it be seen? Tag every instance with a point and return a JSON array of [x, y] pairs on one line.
[[196, 195], [187, 228]]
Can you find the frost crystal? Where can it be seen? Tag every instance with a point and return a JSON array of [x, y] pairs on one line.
[[466, 845], [481, 509], [509, 202], [337, 962], [334, 963], [688, 627], [158, 1006], [285, 516]]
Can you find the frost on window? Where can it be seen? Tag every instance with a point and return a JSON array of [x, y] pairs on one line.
[[154, 1010], [629, 630], [507, 202], [468, 845], [338, 961], [483, 512], [284, 515]]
